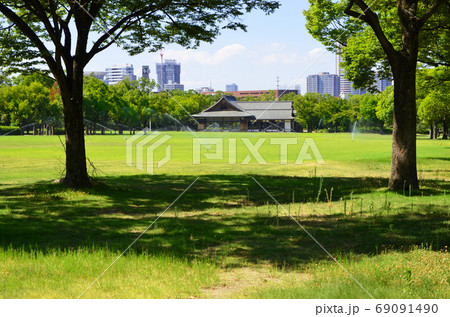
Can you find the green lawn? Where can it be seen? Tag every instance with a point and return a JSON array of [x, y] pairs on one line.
[[225, 237]]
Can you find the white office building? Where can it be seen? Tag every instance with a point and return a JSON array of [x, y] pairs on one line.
[[117, 73]]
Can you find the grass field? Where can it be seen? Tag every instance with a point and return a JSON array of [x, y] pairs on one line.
[[225, 237]]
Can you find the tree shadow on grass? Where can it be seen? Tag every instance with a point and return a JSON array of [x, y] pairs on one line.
[[438, 158], [221, 217]]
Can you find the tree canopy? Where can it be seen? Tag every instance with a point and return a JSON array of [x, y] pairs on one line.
[[362, 53], [55, 33]]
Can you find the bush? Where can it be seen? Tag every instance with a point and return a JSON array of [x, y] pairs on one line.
[[14, 130], [10, 130]]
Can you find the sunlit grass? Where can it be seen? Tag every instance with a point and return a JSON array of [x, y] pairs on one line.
[[33, 158], [420, 273], [68, 273]]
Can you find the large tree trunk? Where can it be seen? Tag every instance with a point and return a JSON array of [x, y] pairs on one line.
[[76, 171], [403, 161]]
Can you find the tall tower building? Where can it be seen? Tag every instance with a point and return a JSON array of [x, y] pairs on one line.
[[323, 83], [146, 71], [345, 84], [168, 75], [312, 83]]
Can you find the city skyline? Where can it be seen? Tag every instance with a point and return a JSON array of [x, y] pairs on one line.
[[168, 78], [276, 45]]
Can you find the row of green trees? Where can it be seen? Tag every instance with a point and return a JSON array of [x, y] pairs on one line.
[[131, 105], [34, 99]]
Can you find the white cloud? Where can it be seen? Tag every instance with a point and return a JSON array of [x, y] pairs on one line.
[[226, 53], [289, 58], [316, 52], [204, 57], [282, 58]]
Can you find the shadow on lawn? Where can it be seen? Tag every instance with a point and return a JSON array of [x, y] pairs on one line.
[[47, 216]]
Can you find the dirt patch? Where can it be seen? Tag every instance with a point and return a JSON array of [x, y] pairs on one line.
[[242, 282]]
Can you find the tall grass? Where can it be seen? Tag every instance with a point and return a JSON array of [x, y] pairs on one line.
[[420, 273], [66, 274]]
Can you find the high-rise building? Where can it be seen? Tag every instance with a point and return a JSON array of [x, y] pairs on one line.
[[347, 86], [146, 71], [168, 75], [324, 83], [118, 73], [382, 84], [312, 83], [231, 87]]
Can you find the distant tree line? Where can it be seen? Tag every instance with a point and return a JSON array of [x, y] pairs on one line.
[[33, 104]]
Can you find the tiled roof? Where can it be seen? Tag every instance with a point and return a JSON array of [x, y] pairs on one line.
[[256, 110]]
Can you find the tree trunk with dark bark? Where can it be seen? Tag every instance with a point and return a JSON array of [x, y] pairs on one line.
[[403, 160], [76, 171]]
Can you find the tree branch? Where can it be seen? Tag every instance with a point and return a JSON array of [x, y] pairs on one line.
[[40, 12], [435, 64], [372, 20], [430, 12], [28, 32], [122, 25]]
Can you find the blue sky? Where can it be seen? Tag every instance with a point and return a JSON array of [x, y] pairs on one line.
[[274, 45]]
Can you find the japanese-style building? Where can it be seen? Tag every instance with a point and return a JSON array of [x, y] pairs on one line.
[[228, 114]]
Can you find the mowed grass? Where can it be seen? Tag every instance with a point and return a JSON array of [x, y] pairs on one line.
[[35, 158], [225, 237]]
